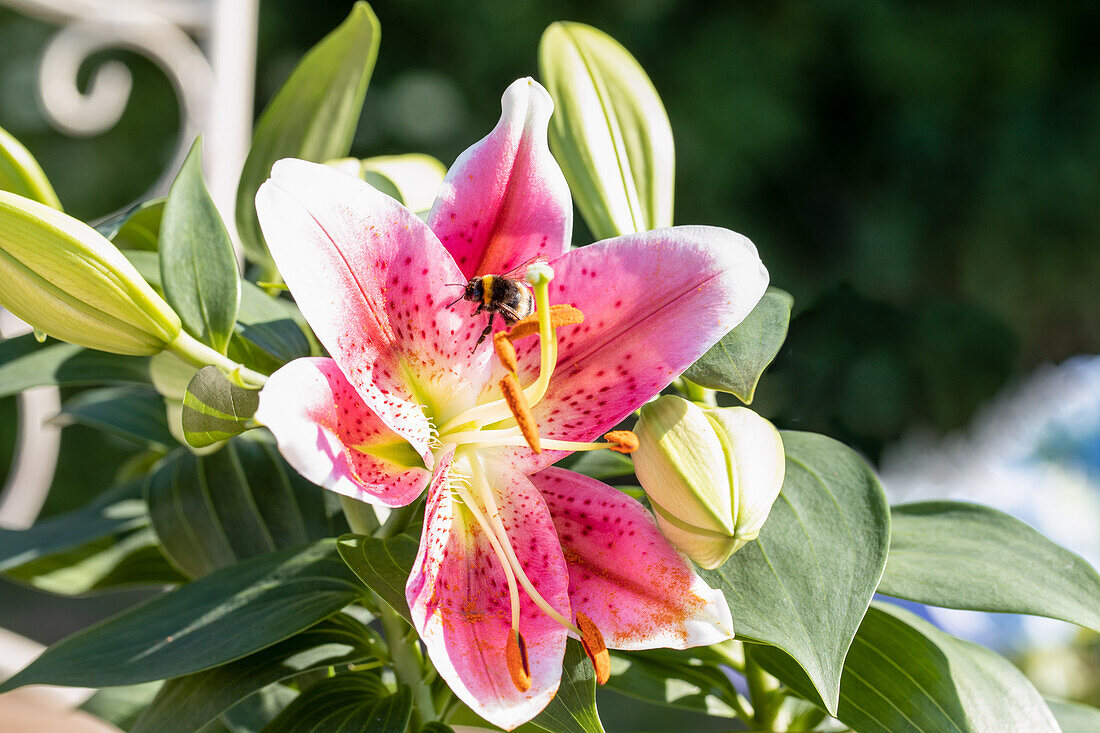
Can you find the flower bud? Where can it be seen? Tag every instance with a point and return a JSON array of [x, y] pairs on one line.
[[63, 278], [21, 174], [711, 474]]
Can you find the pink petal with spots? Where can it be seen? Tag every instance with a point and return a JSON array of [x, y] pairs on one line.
[[371, 279], [653, 303], [505, 200], [459, 599], [623, 573], [331, 437]]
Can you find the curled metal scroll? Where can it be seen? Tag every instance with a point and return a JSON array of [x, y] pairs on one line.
[[157, 30]]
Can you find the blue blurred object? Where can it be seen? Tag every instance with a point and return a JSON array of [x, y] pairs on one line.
[[1033, 453]]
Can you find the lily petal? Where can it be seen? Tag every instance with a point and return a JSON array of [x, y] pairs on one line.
[[371, 279], [623, 573], [458, 596], [505, 199], [653, 304], [327, 433]]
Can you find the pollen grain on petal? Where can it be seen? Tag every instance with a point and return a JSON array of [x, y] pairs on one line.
[[624, 441], [515, 655], [594, 647], [517, 403], [505, 351], [561, 314]]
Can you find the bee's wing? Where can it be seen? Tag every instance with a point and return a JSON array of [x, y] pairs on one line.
[[515, 270]]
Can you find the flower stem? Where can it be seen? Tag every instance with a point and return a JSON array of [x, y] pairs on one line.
[[404, 651], [698, 393], [762, 687], [198, 354]]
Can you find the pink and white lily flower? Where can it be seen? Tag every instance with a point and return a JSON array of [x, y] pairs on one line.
[[515, 555]]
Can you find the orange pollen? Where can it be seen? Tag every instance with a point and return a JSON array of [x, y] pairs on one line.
[[624, 441], [515, 654], [517, 403], [594, 647], [505, 351], [561, 314]]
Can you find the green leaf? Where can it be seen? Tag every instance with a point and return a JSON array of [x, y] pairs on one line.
[[347, 703], [198, 267], [804, 585], [21, 174], [138, 227], [573, 709], [697, 688], [903, 675], [104, 545], [215, 409], [255, 712], [116, 510], [1074, 717], [602, 464], [436, 727], [132, 412], [185, 704], [245, 500], [121, 706], [609, 131], [736, 363], [25, 363], [312, 117], [219, 618], [413, 179], [382, 564], [969, 556]]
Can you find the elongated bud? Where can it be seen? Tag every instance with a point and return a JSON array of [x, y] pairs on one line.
[[711, 474], [609, 131], [62, 277]]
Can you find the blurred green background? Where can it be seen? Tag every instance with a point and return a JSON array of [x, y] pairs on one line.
[[922, 177]]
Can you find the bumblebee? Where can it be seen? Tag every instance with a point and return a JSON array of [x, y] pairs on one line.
[[495, 294]]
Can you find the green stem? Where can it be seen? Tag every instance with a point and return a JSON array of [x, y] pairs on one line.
[[698, 393], [765, 704], [198, 354], [404, 652]]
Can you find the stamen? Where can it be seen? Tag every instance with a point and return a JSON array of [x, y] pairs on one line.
[[486, 494], [517, 403], [516, 656], [595, 648], [561, 314], [505, 351], [511, 437], [624, 440]]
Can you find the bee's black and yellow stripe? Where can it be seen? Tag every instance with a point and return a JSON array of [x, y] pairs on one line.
[[486, 289]]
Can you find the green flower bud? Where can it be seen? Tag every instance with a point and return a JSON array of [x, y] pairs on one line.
[[21, 174], [609, 131], [711, 474], [63, 278]]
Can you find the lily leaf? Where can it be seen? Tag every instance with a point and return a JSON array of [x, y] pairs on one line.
[[736, 363], [138, 227], [969, 556], [347, 702], [805, 583], [198, 267], [903, 675], [1074, 717], [21, 174], [609, 131], [216, 619], [245, 500], [573, 709], [215, 409], [382, 564], [25, 363], [186, 704], [134, 412], [312, 117]]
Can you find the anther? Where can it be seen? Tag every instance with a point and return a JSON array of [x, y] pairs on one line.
[[517, 403], [594, 647], [505, 351], [561, 314], [515, 654], [624, 441]]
